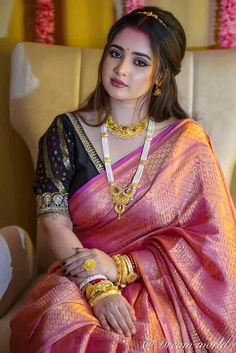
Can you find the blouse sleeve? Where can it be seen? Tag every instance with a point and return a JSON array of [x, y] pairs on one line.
[[55, 168]]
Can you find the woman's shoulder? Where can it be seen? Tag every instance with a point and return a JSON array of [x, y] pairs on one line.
[[77, 119], [194, 131], [65, 121], [60, 126]]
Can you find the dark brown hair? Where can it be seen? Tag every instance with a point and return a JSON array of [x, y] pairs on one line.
[[168, 44]]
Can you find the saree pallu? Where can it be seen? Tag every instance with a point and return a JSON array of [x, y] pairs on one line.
[[181, 230]]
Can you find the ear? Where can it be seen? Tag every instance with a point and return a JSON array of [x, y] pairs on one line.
[[161, 78], [158, 79]]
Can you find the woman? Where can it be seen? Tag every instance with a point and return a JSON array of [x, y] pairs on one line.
[[136, 211]]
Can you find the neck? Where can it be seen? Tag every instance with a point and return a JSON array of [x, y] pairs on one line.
[[127, 113]]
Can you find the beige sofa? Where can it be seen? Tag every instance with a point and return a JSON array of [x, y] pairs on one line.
[[47, 80]]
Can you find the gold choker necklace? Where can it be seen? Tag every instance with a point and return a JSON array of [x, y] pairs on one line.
[[126, 131]]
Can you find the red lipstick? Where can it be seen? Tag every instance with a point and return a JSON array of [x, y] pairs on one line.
[[117, 83]]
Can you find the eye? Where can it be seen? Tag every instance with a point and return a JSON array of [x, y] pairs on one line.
[[115, 54], [140, 62]]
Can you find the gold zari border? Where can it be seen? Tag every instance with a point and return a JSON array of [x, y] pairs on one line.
[[86, 143], [56, 202]]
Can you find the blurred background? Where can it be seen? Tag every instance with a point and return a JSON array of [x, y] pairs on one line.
[[78, 23]]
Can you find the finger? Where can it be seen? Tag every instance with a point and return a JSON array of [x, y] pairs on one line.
[[76, 250], [77, 278], [81, 274], [78, 261], [83, 252], [132, 312], [113, 323], [74, 268], [65, 261], [73, 259], [77, 268], [74, 280], [123, 318], [103, 321], [128, 319]]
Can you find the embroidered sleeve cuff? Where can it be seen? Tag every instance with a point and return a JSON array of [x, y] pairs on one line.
[[56, 202]]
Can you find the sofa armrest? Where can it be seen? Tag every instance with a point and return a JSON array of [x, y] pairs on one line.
[[17, 265]]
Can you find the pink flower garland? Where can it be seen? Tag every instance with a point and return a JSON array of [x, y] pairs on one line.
[[130, 5], [44, 22], [227, 24]]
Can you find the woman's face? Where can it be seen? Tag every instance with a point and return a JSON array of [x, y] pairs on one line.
[[127, 72]]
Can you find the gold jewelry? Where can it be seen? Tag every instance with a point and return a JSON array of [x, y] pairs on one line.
[[117, 259], [91, 278], [122, 196], [90, 264], [96, 292], [157, 92], [92, 290], [132, 276], [151, 14], [103, 295], [126, 131], [126, 273], [122, 270]]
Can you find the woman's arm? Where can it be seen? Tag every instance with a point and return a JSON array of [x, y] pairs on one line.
[[113, 311], [62, 242], [59, 234]]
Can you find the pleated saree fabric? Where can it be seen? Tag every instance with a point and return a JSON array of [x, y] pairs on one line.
[[181, 230]]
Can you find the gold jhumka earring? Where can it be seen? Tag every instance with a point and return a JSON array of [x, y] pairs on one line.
[[157, 91]]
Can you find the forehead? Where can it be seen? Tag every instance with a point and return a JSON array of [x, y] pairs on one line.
[[134, 40]]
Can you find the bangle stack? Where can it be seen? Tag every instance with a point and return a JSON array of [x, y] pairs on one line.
[[97, 287], [133, 263], [96, 292], [126, 273], [91, 279]]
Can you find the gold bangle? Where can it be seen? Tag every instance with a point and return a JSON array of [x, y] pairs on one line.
[[92, 290], [103, 295], [123, 270], [132, 276], [124, 273], [128, 263], [117, 260]]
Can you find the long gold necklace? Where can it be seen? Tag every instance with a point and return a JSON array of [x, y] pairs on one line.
[[126, 131], [122, 196]]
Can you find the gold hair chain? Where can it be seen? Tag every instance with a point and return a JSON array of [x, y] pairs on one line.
[[151, 14]]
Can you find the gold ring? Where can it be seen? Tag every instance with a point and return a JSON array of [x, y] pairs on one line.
[[89, 264]]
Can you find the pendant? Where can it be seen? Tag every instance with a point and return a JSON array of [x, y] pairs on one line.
[[121, 197]]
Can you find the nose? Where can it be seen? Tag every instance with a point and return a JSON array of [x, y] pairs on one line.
[[122, 67]]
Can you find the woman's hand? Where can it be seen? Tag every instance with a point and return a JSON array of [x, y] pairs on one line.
[[74, 266], [114, 311]]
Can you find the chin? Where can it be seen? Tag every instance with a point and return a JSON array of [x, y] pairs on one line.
[[115, 94]]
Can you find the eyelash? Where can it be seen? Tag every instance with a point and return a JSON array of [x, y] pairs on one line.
[[137, 62]]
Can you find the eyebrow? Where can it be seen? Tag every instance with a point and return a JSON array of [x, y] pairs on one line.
[[133, 52]]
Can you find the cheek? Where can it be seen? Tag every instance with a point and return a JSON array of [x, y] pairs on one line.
[[106, 66], [146, 79]]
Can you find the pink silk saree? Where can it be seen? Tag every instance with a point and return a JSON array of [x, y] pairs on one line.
[[181, 230]]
